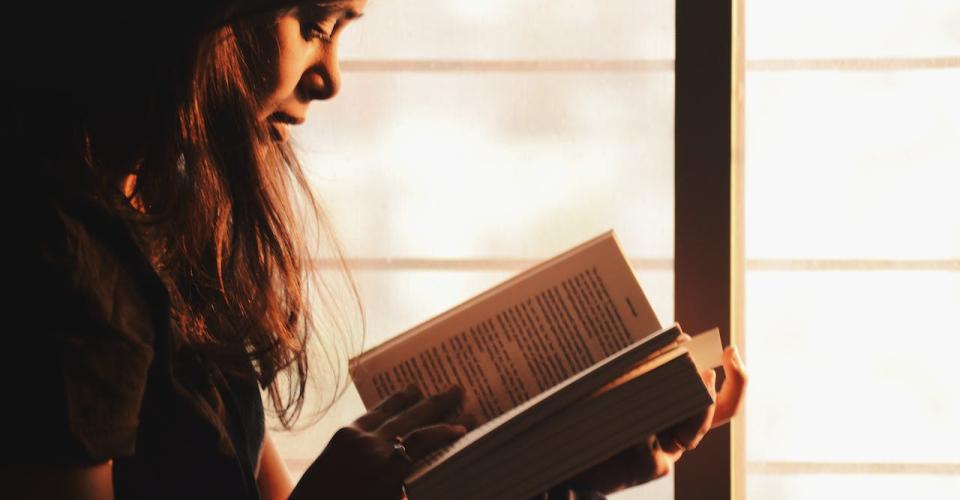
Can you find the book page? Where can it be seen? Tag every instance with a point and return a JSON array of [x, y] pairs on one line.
[[520, 338], [706, 349]]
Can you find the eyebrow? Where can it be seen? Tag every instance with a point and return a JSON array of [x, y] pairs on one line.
[[342, 5]]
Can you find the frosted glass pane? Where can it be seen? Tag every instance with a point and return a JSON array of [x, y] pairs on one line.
[[853, 165], [512, 29], [396, 301], [874, 487], [495, 165], [783, 29], [853, 367]]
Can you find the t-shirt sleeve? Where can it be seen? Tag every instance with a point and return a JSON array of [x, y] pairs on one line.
[[80, 346]]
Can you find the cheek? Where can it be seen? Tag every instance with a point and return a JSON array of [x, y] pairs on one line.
[[289, 71], [290, 62]]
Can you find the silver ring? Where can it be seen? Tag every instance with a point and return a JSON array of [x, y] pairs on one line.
[[401, 450]]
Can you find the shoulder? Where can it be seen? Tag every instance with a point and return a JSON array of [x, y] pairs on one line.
[[81, 260], [85, 324]]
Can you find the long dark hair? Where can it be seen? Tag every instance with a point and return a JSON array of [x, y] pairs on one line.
[[225, 213]]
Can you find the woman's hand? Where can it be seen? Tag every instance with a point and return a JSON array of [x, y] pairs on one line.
[[730, 399], [655, 457], [360, 461]]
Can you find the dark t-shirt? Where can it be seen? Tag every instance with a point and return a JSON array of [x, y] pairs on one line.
[[92, 373]]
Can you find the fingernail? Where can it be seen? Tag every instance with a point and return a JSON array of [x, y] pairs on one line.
[[459, 429], [736, 356], [454, 389], [711, 378], [469, 422]]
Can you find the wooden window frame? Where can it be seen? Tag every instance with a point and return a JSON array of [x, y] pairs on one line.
[[708, 239]]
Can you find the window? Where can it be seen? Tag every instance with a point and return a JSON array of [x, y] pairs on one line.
[[473, 139], [853, 248]]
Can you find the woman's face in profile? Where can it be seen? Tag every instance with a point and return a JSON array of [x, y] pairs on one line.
[[307, 67]]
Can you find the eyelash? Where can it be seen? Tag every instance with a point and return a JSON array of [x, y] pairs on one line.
[[316, 30]]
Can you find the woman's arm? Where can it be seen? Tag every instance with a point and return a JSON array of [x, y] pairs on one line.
[[273, 478], [368, 459], [93, 482]]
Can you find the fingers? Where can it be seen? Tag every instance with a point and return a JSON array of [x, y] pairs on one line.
[[427, 412], [467, 420], [651, 460], [730, 399], [688, 434], [710, 381], [635, 465], [389, 407], [662, 461], [427, 440]]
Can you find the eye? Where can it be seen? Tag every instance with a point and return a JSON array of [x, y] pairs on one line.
[[320, 27], [323, 29]]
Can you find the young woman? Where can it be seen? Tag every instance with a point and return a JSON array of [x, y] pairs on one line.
[[161, 264]]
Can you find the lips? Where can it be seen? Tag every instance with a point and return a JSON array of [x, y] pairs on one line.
[[282, 117], [279, 122]]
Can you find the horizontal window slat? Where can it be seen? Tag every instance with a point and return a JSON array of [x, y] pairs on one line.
[[440, 264], [507, 65], [853, 64], [851, 265], [637, 65], [426, 264], [792, 468]]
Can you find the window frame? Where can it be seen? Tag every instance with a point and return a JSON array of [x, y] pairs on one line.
[[708, 235]]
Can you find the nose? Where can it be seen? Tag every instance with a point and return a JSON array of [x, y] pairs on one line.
[[322, 79]]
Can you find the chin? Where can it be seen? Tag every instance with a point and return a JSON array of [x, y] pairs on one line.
[[279, 132]]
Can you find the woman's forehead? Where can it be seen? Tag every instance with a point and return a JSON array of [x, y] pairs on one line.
[[352, 8]]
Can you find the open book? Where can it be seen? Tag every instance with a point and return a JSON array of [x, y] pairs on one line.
[[562, 367]]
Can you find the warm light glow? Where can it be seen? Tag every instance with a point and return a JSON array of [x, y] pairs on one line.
[[783, 29], [852, 163], [548, 155], [513, 30], [484, 164]]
